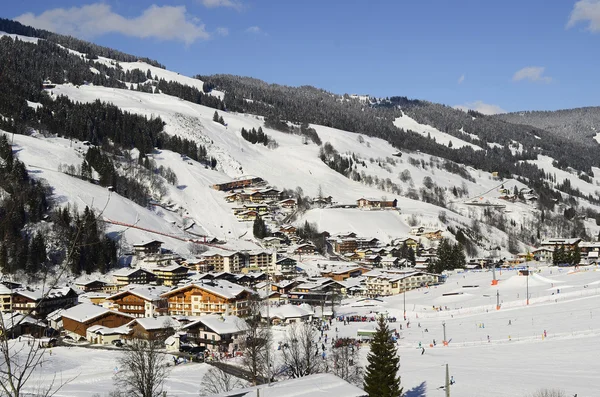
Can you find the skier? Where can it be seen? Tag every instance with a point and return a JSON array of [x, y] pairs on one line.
[[422, 350], [452, 380]]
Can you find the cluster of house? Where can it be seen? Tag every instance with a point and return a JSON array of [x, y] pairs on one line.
[[526, 194], [370, 251]]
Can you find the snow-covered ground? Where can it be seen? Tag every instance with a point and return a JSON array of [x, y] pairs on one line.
[[516, 361], [407, 123]]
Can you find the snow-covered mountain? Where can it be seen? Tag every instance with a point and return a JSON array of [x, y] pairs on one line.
[[431, 190]]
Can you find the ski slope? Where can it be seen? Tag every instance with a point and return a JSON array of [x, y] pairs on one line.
[[515, 362]]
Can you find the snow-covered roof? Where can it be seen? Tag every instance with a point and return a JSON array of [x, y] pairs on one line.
[[146, 292], [317, 385], [288, 311], [222, 288], [102, 330], [11, 319], [145, 243], [85, 312], [220, 324], [40, 293], [560, 241], [154, 323], [127, 271]]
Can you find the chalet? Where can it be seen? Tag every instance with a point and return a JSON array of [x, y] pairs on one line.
[[273, 242], [17, 324], [390, 262], [140, 300], [286, 265], [288, 229], [408, 241], [78, 319], [589, 246], [256, 197], [271, 194], [217, 333], [233, 197], [373, 260], [94, 285], [316, 291], [322, 201], [6, 295], [345, 245], [216, 296], [147, 247], [247, 216], [371, 203], [434, 234], [289, 204], [367, 243], [260, 208], [288, 314], [344, 273], [569, 244], [94, 298], [305, 249], [153, 328], [40, 302], [219, 260], [240, 183], [392, 282], [263, 260], [126, 276], [170, 275], [353, 256]]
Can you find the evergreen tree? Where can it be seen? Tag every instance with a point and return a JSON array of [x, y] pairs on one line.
[[259, 228], [381, 378], [216, 116]]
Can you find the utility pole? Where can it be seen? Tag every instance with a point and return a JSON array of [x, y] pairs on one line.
[[404, 296], [447, 386], [497, 299], [444, 326], [528, 285]]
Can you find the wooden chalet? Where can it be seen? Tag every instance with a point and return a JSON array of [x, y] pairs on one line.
[[371, 203], [239, 184], [170, 275], [140, 300], [78, 319], [147, 247], [217, 333], [94, 285], [39, 303], [126, 276], [216, 296], [153, 328]]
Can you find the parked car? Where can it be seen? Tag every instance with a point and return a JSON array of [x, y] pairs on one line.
[[117, 343]]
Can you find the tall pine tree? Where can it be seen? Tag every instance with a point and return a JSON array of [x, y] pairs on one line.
[[381, 379]]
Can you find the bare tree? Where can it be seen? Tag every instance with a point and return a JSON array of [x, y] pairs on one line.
[[300, 353], [142, 368], [256, 343], [549, 393], [344, 361], [217, 381], [20, 361]]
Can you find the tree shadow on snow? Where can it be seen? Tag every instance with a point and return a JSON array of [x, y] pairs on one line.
[[417, 391]]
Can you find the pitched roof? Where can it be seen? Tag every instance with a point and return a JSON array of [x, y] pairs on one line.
[[145, 243], [40, 293], [288, 311], [317, 385], [154, 323], [222, 288], [220, 324], [146, 292], [86, 312], [127, 271]]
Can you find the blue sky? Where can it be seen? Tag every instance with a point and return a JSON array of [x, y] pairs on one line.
[[492, 56]]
